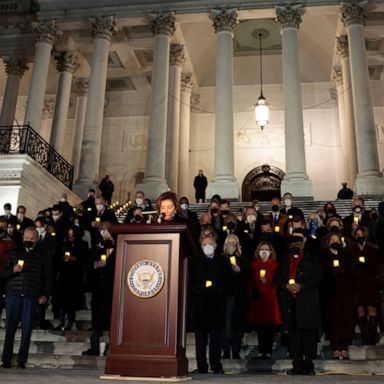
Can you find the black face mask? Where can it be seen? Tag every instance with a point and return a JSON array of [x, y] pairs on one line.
[[231, 225], [330, 211], [374, 216], [3, 230], [361, 239], [295, 239], [275, 208], [225, 212], [294, 250], [214, 210], [334, 228], [29, 244], [267, 236], [138, 218], [335, 246], [79, 211], [108, 244]]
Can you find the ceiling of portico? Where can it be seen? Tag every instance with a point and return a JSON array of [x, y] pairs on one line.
[[131, 51]]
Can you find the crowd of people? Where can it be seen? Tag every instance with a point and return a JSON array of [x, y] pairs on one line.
[[266, 272]]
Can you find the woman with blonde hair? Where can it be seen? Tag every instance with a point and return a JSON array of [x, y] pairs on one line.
[[236, 299], [264, 311]]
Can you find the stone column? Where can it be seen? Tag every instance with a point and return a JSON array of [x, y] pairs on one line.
[[77, 137], [344, 169], [46, 36], [185, 124], [103, 28], [15, 68], [296, 180], [369, 181], [349, 131], [66, 64], [224, 182], [154, 183], [176, 60]]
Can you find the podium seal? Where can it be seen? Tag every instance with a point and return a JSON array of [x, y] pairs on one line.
[[145, 279]]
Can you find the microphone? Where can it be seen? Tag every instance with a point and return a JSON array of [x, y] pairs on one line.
[[160, 218]]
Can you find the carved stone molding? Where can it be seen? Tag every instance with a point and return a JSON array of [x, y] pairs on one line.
[[177, 55], [342, 46], [104, 27], [186, 82], [66, 61], [332, 93], [81, 87], [10, 174], [47, 32], [49, 108], [337, 73], [195, 99], [162, 23], [15, 65], [224, 20], [353, 12], [289, 16]]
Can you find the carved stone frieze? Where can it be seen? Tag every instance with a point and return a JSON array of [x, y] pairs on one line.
[[49, 108], [81, 86], [342, 46], [162, 23], [15, 65], [353, 12], [104, 27], [177, 54], [337, 73], [47, 32], [10, 174], [224, 20], [289, 15], [66, 61]]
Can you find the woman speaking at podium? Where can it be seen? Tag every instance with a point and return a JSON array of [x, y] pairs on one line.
[[169, 209]]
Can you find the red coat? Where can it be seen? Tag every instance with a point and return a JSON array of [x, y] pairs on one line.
[[264, 306]]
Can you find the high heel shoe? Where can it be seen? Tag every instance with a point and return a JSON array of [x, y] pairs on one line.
[[344, 355], [336, 355]]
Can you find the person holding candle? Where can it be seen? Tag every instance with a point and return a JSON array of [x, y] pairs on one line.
[[337, 300], [236, 299], [298, 278], [28, 277], [264, 310], [366, 264], [358, 217]]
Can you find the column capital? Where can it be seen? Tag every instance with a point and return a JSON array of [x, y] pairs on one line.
[[103, 27], [81, 86], [353, 12], [177, 54], [337, 73], [224, 19], [15, 65], [162, 23], [47, 32], [186, 81], [289, 16], [195, 99], [66, 61], [342, 46]]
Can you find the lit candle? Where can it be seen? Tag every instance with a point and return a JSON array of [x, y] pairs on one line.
[[18, 227], [290, 216], [103, 258], [97, 219], [67, 254], [356, 219], [233, 260], [362, 259], [225, 227], [53, 234], [336, 263], [20, 263], [208, 284], [277, 228], [262, 273], [89, 209], [74, 209], [291, 281]]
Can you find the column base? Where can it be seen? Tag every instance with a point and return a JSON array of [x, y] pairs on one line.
[[226, 190], [152, 189], [298, 186], [369, 185], [81, 188]]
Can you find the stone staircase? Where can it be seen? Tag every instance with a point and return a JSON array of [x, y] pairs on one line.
[[56, 349]]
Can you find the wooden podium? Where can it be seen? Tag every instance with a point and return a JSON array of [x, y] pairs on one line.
[[148, 331]]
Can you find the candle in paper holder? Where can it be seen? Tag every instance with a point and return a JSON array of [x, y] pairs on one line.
[[291, 281], [263, 272], [361, 259], [97, 219], [20, 263], [67, 255], [232, 259], [277, 228], [336, 263], [103, 258], [208, 284], [18, 227], [356, 220]]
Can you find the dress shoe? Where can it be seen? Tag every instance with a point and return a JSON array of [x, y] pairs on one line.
[[91, 352], [236, 356], [294, 372], [6, 364], [201, 371], [309, 372], [21, 365], [226, 355], [69, 326], [218, 372]]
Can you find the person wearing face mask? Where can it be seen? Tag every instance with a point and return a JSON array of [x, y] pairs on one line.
[[298, 277], [236, 298], [6, 244], [193, 221], [65, 207], [329, 212], [22, 220], [358, 217], [249, 232], [28, 274], [277, 218], [264, 312], [12, 219], [336, 295], [366, 266], [210, 277], [289, 209], [138, 203], [89, 202]]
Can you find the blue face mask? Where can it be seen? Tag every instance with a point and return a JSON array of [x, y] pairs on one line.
[[313, 225]]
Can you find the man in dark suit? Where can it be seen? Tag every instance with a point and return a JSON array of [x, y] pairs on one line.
[[200, 183], [22, 221], [289, 209], [11, 219], [276, 217], [357, 218], [193, 221], [298, 278], [106, 187]]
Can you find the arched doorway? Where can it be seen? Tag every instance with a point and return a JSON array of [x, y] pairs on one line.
[[262, 183]]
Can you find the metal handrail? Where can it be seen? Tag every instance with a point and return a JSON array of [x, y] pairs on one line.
[[23, 139]]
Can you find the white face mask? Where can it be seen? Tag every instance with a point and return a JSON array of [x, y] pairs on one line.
[[264, 254], [231, 248], [7, 212], [256, 208], [288, 202], [55, 217], [99, 207], [251, 219], [63, 199], [208, 249], [184, 206], [139, 201], [20, 216], [239, 218], [40, 230]]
